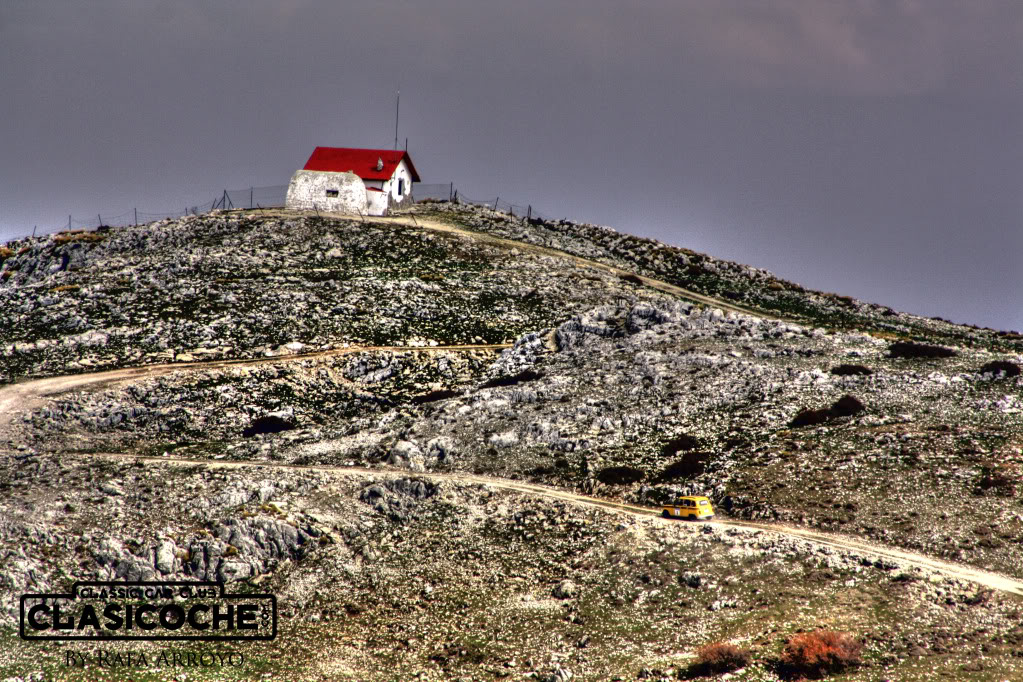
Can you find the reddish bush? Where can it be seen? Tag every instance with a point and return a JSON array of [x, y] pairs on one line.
[[720, 657], [814, 654]]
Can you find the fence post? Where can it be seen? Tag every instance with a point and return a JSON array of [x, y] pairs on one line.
[[136, 217], [529, 212], [451, 191], [455, 200], [69, 221], [100, 219], [495, 202], [34, 230], [250, 198]]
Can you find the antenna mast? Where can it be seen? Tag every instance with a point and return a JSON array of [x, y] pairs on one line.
[[397, 104]]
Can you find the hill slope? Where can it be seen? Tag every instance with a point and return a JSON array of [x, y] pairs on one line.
[[465, 342]]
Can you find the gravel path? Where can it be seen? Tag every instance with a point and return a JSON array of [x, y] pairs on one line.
[[840, 542], [26, 396]]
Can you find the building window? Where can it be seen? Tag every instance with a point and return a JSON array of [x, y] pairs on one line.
[[401, 186], [332, 193]]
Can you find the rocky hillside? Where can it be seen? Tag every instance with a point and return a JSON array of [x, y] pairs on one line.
[[396, 360]]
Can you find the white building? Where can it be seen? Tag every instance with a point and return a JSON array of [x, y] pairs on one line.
[[344, 180]]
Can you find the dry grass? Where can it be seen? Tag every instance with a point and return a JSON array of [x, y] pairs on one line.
[[78, 236], [721, 657]]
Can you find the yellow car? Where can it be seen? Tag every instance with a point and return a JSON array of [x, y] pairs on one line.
[[695, 507]]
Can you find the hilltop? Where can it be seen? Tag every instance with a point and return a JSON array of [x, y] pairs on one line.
[[405, 375]]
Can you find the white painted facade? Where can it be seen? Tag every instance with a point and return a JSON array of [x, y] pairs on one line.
[[377, 202], [400, 184]]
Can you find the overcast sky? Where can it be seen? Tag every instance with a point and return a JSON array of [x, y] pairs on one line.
[[867, 147]]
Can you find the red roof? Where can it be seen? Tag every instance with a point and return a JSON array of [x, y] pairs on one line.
[[362, 161]]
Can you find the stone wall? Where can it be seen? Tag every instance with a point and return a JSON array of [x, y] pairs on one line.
[[328, 192]]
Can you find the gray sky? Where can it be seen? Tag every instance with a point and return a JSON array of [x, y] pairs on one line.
[[868, 147]]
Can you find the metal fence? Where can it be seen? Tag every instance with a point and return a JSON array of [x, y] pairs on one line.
[[449, 192], [502, 206], [273, 197], [252, 197], [436, 191]]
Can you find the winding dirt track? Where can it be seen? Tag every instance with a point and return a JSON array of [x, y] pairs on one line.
[[28, 395], [25, 396], [32, 394], [843, 543]]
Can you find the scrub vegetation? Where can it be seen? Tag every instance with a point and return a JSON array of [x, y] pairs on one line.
[[391, 558]]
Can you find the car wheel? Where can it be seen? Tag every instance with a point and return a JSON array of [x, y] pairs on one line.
[[666, 514]]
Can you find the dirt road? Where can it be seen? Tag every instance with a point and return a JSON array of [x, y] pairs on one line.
[[857, 546], [26, 396]]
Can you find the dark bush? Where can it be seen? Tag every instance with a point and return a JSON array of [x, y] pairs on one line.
[[815, 654], [630, 278], [810, 417], [718, 658], [268, 424], [692, 464], [434, 396], [909, 349], [679, 444], [620, 475], [999, 480], [522, 377], [846, 406], [1011, 369], [850, 370]]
